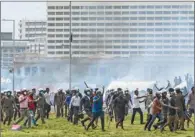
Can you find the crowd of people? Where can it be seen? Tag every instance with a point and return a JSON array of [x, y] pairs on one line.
[[168, 106]]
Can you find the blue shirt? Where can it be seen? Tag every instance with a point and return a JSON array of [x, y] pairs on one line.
[[68, 99], [97, 106]]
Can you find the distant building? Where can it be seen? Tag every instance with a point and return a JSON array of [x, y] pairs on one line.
[[121, 29], [8, 48], [35, 32], [6, 36]]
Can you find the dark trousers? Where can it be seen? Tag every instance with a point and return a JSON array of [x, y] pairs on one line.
[[95, 117], [47, 110], [24, 113], [149, 118], [75, 114], [17, 112], [66, 110], [70, 114], [40, 114], [135, 110], [154, 116], [89, 117], [1, 114], [60, 111], [171, 123], [162, 122], [9, 115]]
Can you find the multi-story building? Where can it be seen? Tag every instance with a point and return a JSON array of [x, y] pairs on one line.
[[142, 40], [123, 29], [9, 51], [35, 32]]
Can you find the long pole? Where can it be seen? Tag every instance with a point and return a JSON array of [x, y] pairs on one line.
[[13, 73], [70, 50], [194, 53], [0, 74]]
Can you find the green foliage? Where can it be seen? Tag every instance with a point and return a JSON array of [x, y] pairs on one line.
[[61, 128]]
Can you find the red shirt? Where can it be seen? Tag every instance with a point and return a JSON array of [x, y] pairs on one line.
[[31, 104], [155, 107]]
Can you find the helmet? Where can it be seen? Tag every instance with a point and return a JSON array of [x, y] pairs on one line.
[[171, 90]]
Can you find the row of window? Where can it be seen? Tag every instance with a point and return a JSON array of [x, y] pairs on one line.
[[35, 35], [121, 47], [120, 18], [136, 41], [120, 35], [122, 30], [127, 35], [124, 52], [134, 24], [136, 29], [123, 24], [122, 13], [35, 23], [126, 7], [126, 12], [35, 29], [125, 41], [132, 18]]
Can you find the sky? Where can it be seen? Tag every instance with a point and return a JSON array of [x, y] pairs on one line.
[[21, 10]]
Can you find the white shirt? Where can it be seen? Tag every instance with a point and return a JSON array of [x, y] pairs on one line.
[[150, 106], [75, 101], [47, 98], [136, 102]]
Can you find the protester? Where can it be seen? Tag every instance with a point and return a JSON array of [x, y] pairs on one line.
[[17, 109], [156, 111], [67, 102], [40, 106], [8, 104], [86, 104], [97, 110], [136, 107], [31, 109], [191, 104], [23, 100], [180, 103], [120, 103], [172, 120], [47, 103], [75, 104], [59, 103]]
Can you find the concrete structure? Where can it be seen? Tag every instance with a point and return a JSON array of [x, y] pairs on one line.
[[121, 29], [6, 36], [8, 48], [35, 32]]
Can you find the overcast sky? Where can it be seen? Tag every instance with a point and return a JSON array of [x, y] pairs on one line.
[[21, 10]]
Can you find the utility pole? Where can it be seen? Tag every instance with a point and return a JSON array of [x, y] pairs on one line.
[[70, 50]]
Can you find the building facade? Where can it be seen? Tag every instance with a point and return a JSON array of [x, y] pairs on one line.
[[10, 51], [35, 32], [120, 29]]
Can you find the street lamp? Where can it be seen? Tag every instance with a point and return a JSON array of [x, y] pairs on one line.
[[13, 39]]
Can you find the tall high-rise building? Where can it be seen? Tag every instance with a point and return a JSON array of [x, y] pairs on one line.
[[121, 29], [35, 32]]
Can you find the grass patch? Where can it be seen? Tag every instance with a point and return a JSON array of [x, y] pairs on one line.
[[61, 128]]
